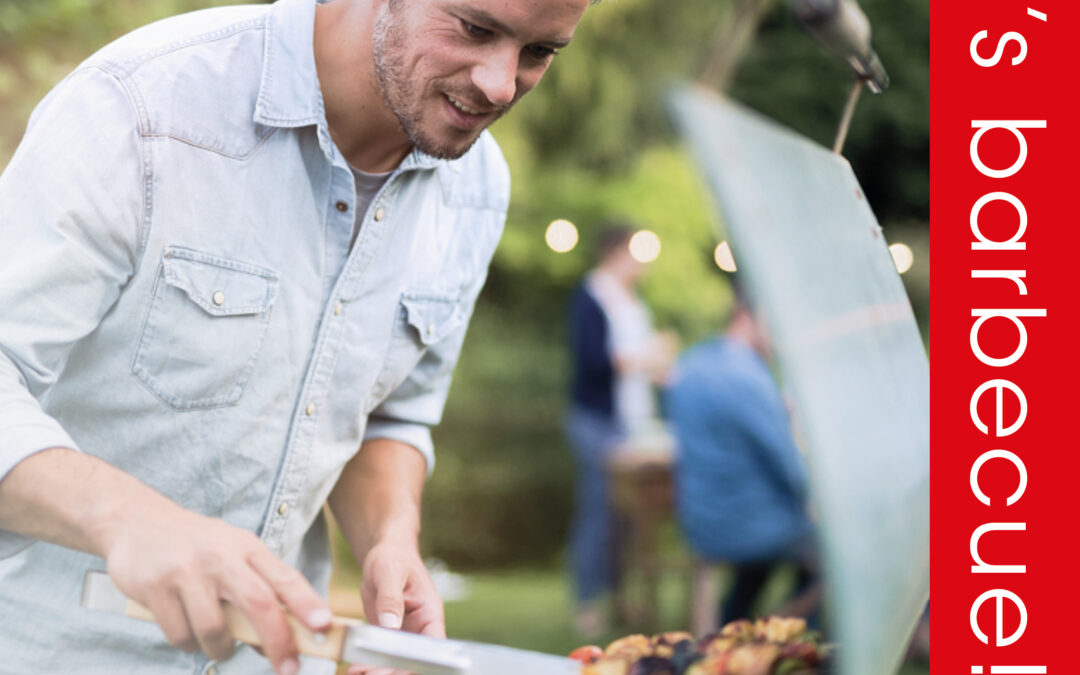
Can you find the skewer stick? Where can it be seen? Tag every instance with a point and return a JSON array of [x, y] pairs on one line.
[[849, 112]]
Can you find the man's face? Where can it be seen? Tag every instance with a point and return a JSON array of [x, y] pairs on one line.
[[449, 68]]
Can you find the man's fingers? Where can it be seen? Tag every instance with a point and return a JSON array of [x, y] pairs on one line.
[[385, 583], [294, 591], [398, 593], [424, 612], [428, 620], [169, 614], [248, 592], [203, 609], [390, 619]]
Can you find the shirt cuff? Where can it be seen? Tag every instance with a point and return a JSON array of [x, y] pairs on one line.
[[20, 442], [416, 435]]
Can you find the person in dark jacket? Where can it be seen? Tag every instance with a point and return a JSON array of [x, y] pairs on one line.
[[617, 358]]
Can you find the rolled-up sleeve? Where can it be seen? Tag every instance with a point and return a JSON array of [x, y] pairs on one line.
[[71, 219], [416, 405], [413, 407]]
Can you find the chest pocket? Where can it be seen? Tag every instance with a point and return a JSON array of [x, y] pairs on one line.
[[204, 329], [431, 316], [423, 319]]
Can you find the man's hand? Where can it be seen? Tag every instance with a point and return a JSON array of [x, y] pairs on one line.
[[177, 563], [181, 566], [377, 505], [398, 592]]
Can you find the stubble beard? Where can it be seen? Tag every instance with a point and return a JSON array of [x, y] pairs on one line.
[[388, 56]]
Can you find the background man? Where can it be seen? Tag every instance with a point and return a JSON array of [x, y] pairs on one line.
[[741, 483], [238, 253]]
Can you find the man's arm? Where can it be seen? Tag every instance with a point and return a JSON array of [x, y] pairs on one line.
[[71, 226], [376, 502], [179, 564], [377, 497]]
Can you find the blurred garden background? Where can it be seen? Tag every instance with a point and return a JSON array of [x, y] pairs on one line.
[[591, 142]]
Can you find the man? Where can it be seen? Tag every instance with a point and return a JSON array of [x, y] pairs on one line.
[[238, 252], [617, 358], [741, 482]]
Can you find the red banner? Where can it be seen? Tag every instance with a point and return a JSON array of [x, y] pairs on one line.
[[1004, 464]]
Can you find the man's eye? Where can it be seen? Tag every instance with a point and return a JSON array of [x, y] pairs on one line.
[[474, 31], [540, 52]]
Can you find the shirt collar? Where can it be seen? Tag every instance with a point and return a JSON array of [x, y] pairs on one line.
[[289, 93]]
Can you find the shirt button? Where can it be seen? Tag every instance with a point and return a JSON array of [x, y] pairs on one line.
[[379, 214], [337, 309], [342, 206], [431, 329], [211, 671], [219, 298], [310, 409], [283, 509]]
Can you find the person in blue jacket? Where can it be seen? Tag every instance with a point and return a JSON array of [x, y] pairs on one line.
[[741, 482]]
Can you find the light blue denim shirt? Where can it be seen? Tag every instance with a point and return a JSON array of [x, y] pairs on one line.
[[178, 296]]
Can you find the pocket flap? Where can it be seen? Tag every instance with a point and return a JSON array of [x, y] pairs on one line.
[[433, 315], [222, 287]]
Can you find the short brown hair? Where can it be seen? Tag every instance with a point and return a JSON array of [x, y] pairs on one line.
[[612, 235]]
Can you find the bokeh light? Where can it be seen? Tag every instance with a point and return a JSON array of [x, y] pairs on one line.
[[724, 259], [902, 256], [644, 246], [561, 236]]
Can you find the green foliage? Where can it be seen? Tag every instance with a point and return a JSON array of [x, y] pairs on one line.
[[502, 490], [72, 25], [660, 191], [789, 78], [601, 103], [41, 41]]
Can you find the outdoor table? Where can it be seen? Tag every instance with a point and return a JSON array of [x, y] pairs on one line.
[[642, 495]]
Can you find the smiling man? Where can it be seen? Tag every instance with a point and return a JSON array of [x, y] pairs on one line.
[[239, 250], [443, 70]]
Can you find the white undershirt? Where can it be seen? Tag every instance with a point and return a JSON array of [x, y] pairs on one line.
[[367, 186], [629, 334]]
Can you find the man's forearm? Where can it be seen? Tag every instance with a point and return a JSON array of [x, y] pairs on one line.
[[377, 497], [178, 563], [377, 505], [72, 499]]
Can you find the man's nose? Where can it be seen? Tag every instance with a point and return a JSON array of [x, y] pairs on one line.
[[496, 76]]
